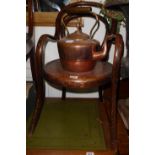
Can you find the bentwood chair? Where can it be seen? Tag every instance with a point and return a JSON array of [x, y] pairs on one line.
[[103, 73]]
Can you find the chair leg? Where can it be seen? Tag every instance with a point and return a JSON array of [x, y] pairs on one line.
[[114, 114], [63, 93], [40, 97], [100, 94]]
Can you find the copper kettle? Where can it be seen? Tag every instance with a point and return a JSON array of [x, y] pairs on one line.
[[79, 52]]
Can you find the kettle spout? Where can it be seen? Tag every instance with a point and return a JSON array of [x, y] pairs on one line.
[[99, 55]]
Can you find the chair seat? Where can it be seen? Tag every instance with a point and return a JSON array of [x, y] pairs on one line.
[[53, 71]]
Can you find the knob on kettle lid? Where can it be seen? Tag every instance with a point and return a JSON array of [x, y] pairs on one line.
[[78, 35]]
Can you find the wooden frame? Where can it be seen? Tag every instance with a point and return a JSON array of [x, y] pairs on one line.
[[48, 18]]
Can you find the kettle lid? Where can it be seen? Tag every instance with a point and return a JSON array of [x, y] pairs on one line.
[[78, 35]]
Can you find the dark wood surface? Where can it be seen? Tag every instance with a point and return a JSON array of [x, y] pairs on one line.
[[53, 73]]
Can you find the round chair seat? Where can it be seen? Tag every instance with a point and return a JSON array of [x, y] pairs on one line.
[[55, 74]]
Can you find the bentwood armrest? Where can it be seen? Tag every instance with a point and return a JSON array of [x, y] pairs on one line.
[[118, 53], [40, 50]]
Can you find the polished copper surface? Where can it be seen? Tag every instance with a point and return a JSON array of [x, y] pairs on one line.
[[77, 81], [75, 52]]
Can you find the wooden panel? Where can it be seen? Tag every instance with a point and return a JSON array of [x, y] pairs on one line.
[[48, 19]]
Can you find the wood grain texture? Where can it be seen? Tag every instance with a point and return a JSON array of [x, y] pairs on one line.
[[48, 19]]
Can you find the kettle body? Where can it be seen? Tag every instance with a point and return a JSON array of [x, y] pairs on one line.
[[79, 51], [75, 51]]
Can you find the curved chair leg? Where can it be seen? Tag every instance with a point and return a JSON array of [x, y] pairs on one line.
[[40, 96]]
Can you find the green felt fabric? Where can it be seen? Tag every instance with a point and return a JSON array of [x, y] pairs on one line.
[[70, 124]]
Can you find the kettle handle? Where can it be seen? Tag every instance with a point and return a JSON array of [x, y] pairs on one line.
[[85, 10], [80, 11], [66, 29], [97, 23]]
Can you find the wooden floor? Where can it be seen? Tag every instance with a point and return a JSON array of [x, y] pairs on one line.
[[123, 142]]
